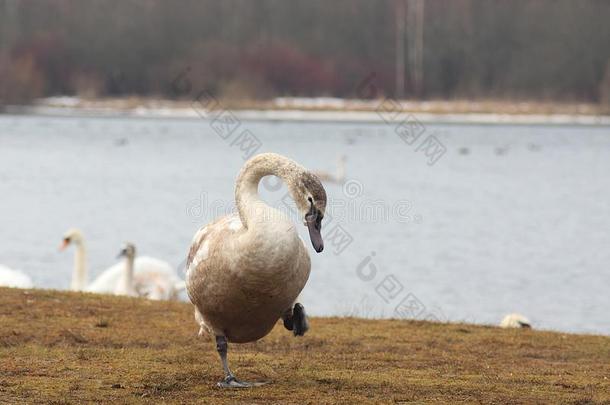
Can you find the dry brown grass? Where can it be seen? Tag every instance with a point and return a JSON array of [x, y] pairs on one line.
[[58, 347]]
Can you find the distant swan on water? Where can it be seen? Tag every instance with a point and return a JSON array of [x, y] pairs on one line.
[[159, 282], [337, 177], [515, 321], [147, 270], [246, 270], [14, 278]]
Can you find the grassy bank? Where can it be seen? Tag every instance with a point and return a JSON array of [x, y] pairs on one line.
[[58, 347]]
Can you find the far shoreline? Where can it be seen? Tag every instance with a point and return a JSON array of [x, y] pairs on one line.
[[327, 110]]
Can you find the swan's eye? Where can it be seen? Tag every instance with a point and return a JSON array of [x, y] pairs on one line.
[[310, 199], [67, 240]]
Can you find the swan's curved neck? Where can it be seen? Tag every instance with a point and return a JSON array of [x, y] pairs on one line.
[[127, 286], [249, 205], [79, 274]]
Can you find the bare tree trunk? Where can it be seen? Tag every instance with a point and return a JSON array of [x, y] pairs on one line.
[[400, 48], [8, 34], [415, 25], [418, 54], [8, 26]]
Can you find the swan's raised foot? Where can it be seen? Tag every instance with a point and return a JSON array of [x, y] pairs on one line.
[[232, 382], [297, 322]]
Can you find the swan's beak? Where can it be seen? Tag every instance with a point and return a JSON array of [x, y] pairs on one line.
[[314, 225], [64, 244]]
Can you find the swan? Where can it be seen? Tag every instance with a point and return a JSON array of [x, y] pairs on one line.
[[515, 321], [144, 268], [157, 283], [246, 270], [501, 150], [79, 272], [126, 285], [14, 278], [337, 177]]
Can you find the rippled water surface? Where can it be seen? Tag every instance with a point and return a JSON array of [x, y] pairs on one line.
[[509, 219]]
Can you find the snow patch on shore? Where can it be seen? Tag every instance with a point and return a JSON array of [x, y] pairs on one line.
[[322, 109]]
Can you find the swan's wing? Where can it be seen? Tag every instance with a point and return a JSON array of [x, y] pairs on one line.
[[14, 278], [144, 264], [200, 246], [210, 257], [156, 279], [108, 280], [155, 286]]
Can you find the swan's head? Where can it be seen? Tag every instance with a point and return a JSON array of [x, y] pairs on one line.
[[72, 236], [128, 251], [311, 200]]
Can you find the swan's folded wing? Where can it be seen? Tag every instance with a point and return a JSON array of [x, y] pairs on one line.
[[205, 237], [107, 281], [145, 264], [156, 279]]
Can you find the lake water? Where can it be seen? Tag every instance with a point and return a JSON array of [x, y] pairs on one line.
[[509, 219]]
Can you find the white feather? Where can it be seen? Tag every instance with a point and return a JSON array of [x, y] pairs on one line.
[[153, 278], [14, 278], [515, 321]]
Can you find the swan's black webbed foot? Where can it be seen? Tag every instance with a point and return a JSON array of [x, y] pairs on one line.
[[297, 321], [301, 324]]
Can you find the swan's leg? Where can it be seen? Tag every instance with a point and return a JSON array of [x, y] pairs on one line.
[[295, 320], [223, 347], [230, 381]]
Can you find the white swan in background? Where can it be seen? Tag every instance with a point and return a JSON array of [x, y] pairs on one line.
[[106, 283], [337, 177], [246, 270], [515, 321], [14, 278], [126, 285], [79, 273], [157, 283]]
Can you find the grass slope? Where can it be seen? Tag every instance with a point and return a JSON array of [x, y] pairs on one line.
[[58, 347]]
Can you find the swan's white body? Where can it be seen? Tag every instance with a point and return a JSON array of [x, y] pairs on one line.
[[152, 278], [337, 177], [515, 321], [14, 278]]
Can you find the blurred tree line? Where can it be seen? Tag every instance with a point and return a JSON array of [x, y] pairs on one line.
[[512, 49]]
